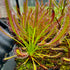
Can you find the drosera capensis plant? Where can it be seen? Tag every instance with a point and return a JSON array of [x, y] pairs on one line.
[[32, 30]]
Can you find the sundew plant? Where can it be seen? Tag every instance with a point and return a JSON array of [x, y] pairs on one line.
[[40, 31]]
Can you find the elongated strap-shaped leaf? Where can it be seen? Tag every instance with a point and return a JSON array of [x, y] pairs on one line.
[[25, 42], [51, 32], [57, 49], [1, 29], [25, 9], [40, 64], [42, 15], [53, 49], [52, 56], [23, 21], [29, 30], [54, 2], [50, 3], [34, 64], [36, 13], [26, 61], [23, 63], [15, 27], [28, 17], [66, 59], [7, 58], [33, 36]]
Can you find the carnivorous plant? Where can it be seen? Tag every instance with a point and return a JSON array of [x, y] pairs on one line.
[[37, 32]]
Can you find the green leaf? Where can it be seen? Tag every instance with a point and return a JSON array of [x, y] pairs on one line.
[[33, 35], [36, 13], [1, 29], [35, 68], [51, 32], [49, 56], [42, 32]]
